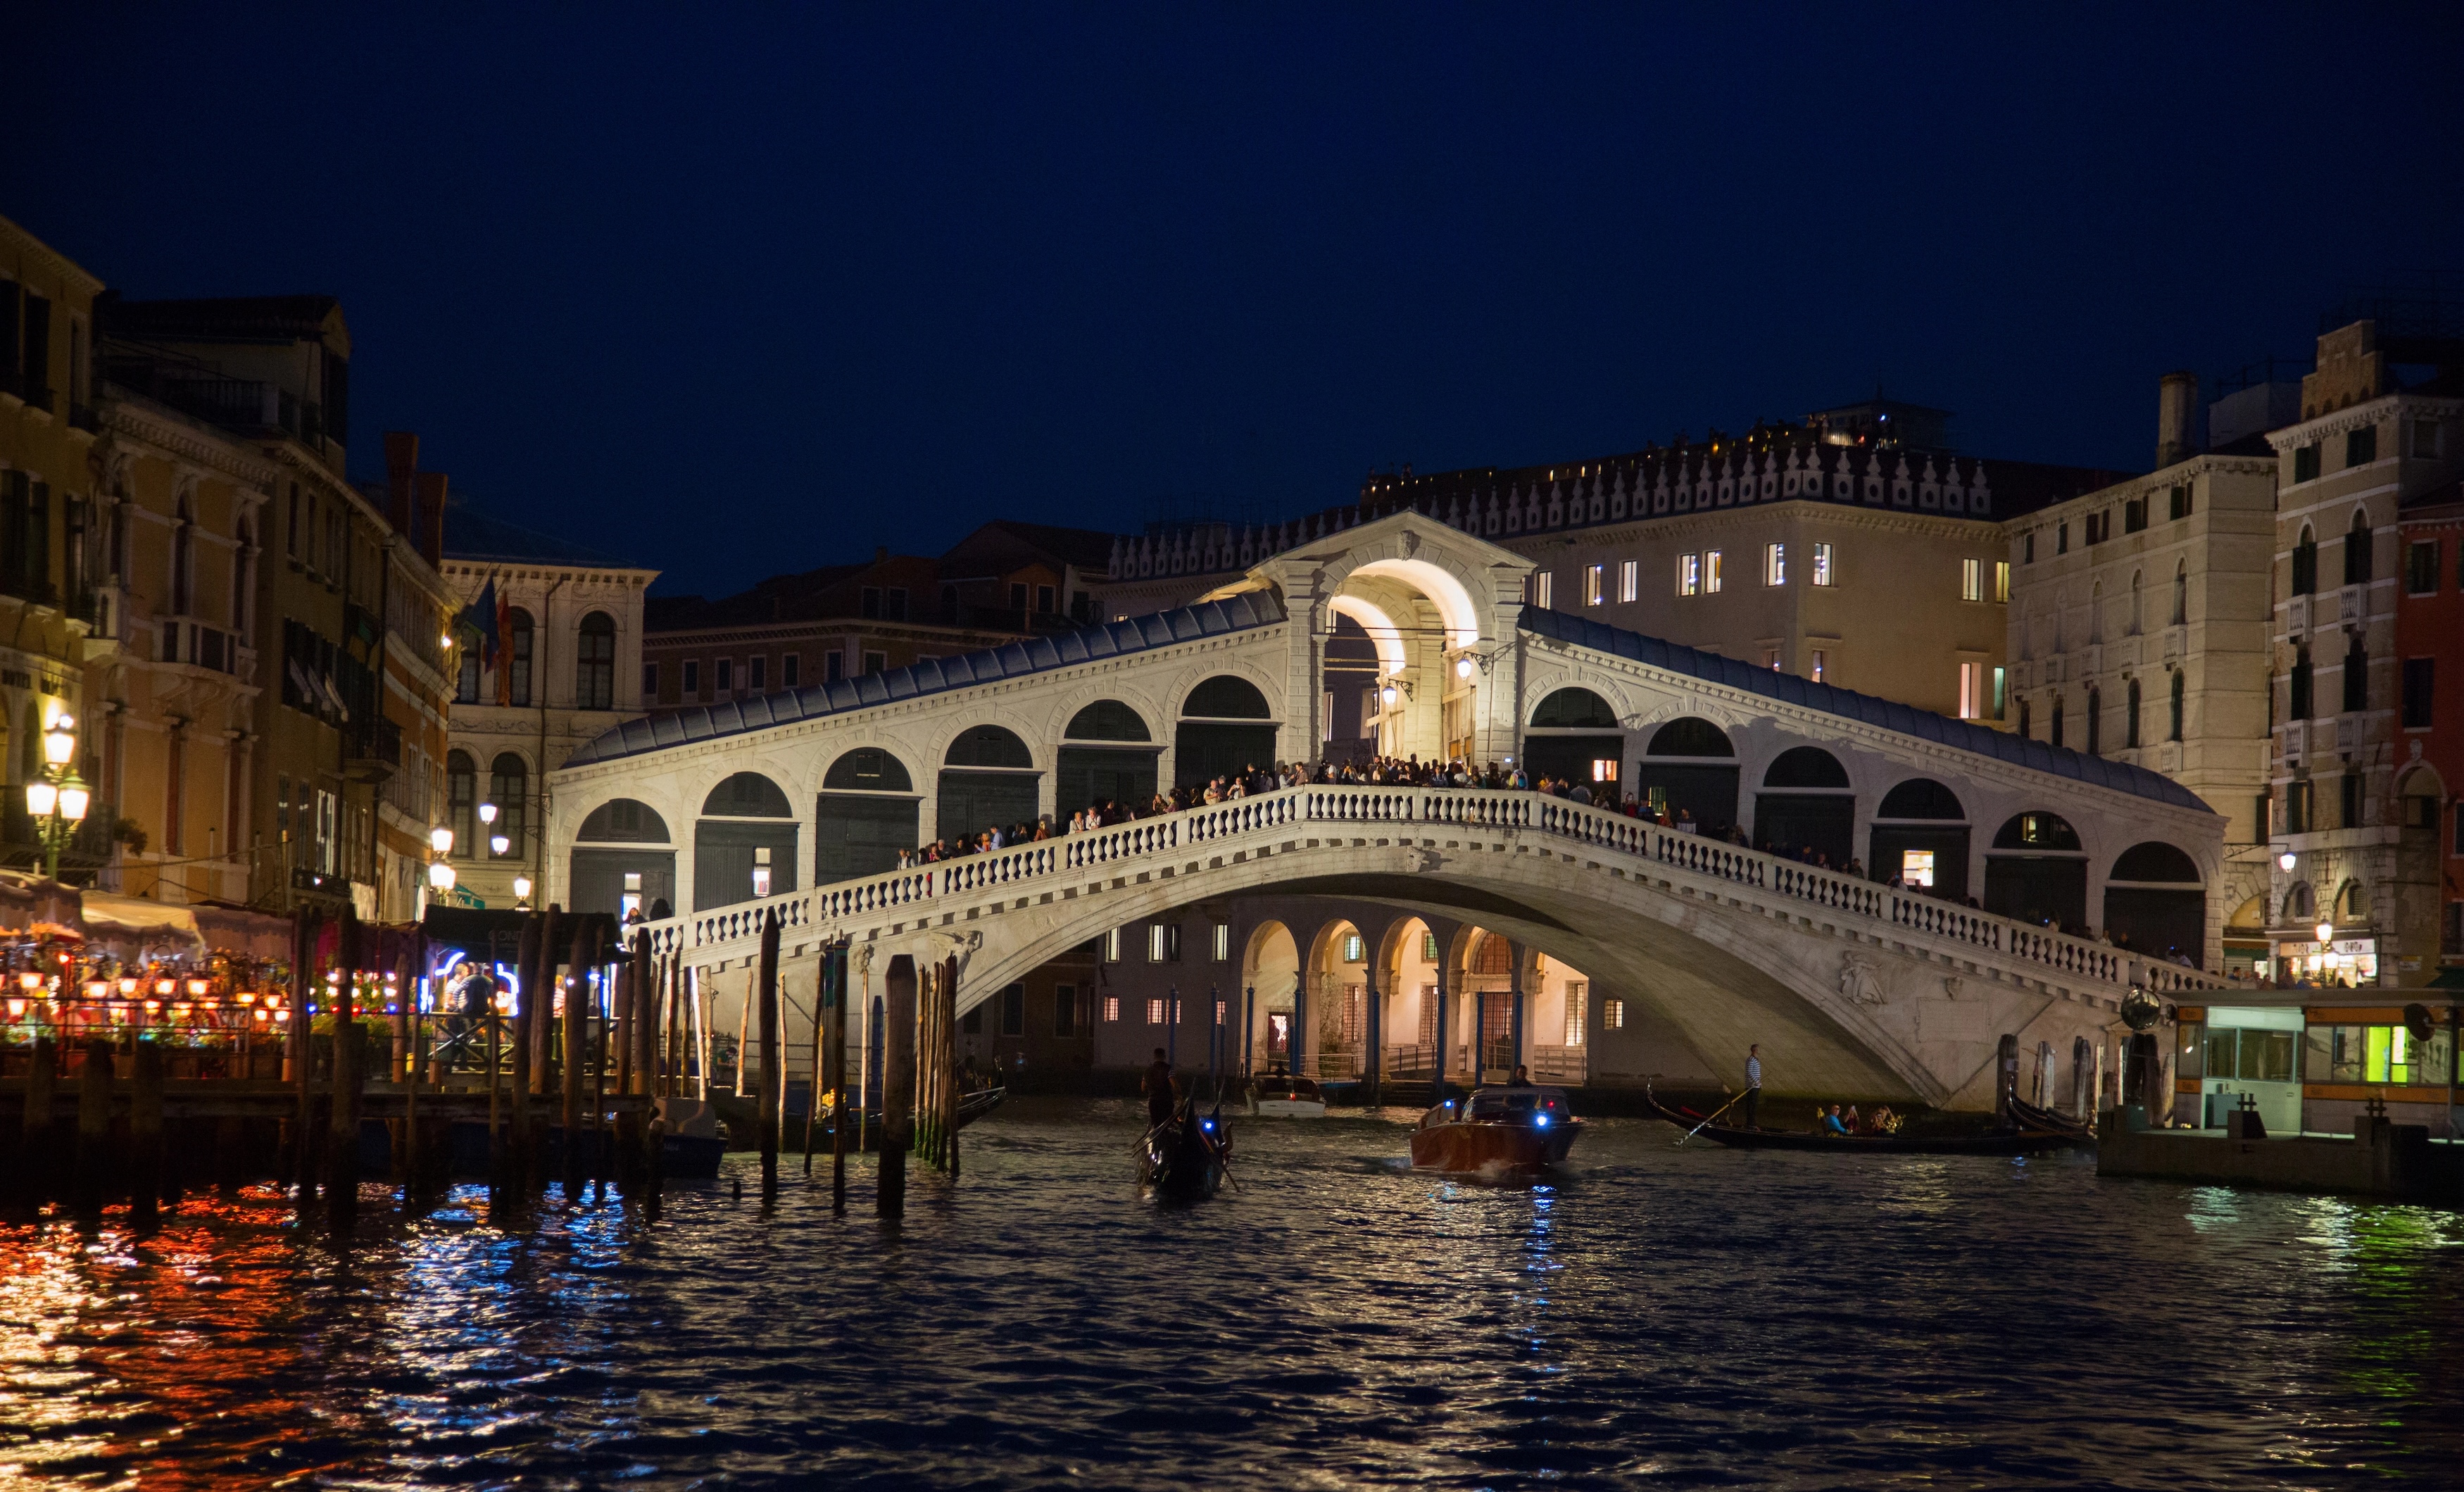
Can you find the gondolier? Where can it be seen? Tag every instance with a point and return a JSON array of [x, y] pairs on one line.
[[1753, 1085]]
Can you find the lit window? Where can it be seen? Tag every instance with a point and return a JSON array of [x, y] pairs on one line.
[[2002, 583], [1629, 579], [1689, 575], [1712, 572], [1916, 867], [1613, 1013], [1326, 718], [1971, 681], [1222, 942], [1351, 947], [1821, 665], [1113, 946], [1544, 589], [1823, 564], [1971, 580], [762, 870], [1154, 942], [1428, 947], [2002, 692], [1155, 1012], [1604, 769], [1578, 994], [1596, 584], [1771, 659], [1774, 564], [1111, 1007]]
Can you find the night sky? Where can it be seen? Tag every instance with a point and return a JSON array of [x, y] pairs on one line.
[[741, 292]]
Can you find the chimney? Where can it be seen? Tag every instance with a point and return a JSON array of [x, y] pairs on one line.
[[402, 459], [2177, 404], [430, 535]]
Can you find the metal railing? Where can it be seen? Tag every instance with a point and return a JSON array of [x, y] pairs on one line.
[[1123, 847]]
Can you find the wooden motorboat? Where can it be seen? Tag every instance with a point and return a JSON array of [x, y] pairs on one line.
[[1183, 1158], [1282, 1095], [2001, 1142], [1497, 1131]]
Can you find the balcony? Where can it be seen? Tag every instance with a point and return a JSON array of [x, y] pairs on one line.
[[371, 750], [248, 405]]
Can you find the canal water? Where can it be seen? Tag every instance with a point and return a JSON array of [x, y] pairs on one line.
[[1657, 1317]]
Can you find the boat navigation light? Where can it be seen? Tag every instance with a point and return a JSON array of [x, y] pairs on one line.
[[1540, 1120]]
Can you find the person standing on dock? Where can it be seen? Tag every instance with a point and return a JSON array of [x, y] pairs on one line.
[[1753, 1085], [1159, 1089]]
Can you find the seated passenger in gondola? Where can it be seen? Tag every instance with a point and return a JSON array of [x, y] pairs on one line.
[[1854, 1124], [1832, 1125], [1882, 1121]]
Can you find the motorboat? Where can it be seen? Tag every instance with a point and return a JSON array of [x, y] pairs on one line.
[[1497, 1131], [1283, 1095], [1183, 1159]]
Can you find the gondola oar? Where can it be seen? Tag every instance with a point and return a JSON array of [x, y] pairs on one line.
[[1715, 1113]]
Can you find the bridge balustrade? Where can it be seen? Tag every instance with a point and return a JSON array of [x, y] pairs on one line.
[[1124, 844]]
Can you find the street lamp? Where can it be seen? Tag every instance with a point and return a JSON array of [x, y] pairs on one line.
[[522, 890], [440, 874], [2285, 859], [58, 800], [2326, 932], [487, 813], [497, 845], [441, 840]]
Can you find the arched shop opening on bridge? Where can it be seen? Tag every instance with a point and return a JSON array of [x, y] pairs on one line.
[[622, 860], [988, 781], [2153, 902], [1108, 756], [1688, 772], [2036, 872], [1806, 807], [865, 815], [744, 843], [1225, 727], [1574, 738], [1920, 836]]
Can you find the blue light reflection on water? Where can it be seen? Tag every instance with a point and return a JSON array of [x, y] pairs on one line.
[[1657, 1315]]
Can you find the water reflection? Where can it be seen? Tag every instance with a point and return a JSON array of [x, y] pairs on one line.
[[1675, 1314]]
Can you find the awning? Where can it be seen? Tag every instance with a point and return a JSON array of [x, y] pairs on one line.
[[152, 922]]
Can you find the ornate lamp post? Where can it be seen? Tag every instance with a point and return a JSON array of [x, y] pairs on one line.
[[58, 800], [440, 871]]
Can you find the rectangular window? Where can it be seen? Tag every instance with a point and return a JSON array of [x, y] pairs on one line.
[[790, 671], [1613, 1013], [1774, 564], [1771, 659], [2416, 692], [2179, 498], [1821, 665], [1916, 868], [1971, 695], [1352, 950], [2305, 463], [1113, 946], [2001, 691], [2002, 583], [1065, 1010], [833, 666], [868, 604], [2296, 806], [2425, 440], [1013, 1010], [692, 677], [1224, 942], [2421, 568], [1018, 595], [1155, 1012], [1544, 589], [1822, 573], [723, 675], [756, 674], [1596, 584], [2062, 538], [2134, 515], [1630, 579], [1710, 571], [1689, 575], [1042, 599], [1154, 942], [2028, 547], [2362, 446], [1111, 1007], [1579, 997], [876, 663], [1326, 716], [1971, 580], [649, 683]]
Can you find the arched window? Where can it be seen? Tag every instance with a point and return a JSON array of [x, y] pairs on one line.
[[623, 821], [2181, 592], [1225, 697], [2175, 733], [747, 795], [867, 768], [2155, 863], [2138, 616], [1689, 736], [2301, 905], [2357, 675], [594, 664], [2130, 722], [1920, 798], [509, 789], [1108, 720], [518, 658], [987, 746], [1574, 709], [461, 793], [2037, 831], [184, 559], [1806, 766], [2358, 550], [2306, 564], [2095, 722]]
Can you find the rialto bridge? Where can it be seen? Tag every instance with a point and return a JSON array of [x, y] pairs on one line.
[[796, 803]]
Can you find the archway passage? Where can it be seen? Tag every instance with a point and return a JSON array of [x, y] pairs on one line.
[[2035, 871], [1217, 736], [865, 815], [622, 859], [987, 780], [2154, 902], [1806, 808], [1121, 770], [1574, 738], [1689, 771], [1920, 836], [745, 843]]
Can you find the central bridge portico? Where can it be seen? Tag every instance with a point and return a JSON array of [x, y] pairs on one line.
[[1864, 988]]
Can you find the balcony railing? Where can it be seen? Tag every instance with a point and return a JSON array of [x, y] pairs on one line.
[[372, 748]]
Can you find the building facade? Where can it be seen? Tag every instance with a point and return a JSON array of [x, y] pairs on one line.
[[2429, 724], [569, 662], [2339, 759]]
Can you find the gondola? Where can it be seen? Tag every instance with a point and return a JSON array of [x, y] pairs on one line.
[[2031, 1117], [2006, 1142], [1183, 1158], [743, 1119]]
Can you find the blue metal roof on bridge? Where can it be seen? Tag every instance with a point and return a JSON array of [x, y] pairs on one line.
[[1036, 655], [1924, 725]]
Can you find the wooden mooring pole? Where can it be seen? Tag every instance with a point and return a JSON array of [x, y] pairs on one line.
[[350, 1071], [897, 1085], [299, 1053], [145, 1135], [532, 973], [33, 1181], [93, 1183], [774, 1082], [580, 961]]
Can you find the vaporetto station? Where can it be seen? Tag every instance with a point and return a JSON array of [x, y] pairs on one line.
[[791, 804]]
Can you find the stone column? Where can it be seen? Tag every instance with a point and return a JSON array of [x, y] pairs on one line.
[[1521, 957]]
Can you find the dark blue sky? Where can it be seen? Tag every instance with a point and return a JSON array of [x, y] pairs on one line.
[[749, 292]]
